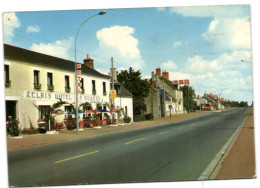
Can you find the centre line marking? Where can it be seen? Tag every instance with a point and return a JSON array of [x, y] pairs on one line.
[[76, 157], [164, 132], [135, 141]]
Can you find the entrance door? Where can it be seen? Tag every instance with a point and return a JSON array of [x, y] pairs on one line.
[[10, 109]]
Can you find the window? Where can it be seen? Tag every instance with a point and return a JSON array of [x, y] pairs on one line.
[[104, 88], [67, 84], [43, 111], [67, 110], [93, 87], [50, 81], [82, 85], [7, 76], [36, 78]]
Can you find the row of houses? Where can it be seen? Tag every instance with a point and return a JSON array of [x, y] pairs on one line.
[[36, 79]]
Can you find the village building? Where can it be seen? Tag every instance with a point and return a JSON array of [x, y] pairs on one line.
[[35, 79], [164, 98]]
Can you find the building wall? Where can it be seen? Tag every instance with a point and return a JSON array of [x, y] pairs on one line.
[[153, 103], [22, 90], [176, 94], [123, 102]]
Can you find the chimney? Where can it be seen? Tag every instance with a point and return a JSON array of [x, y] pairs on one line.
[[158, 71], [165, 74], [89, 62]]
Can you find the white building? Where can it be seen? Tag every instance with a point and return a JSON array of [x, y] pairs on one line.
[[33, 78]]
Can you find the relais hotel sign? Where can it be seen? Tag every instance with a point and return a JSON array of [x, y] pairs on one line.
[[34, 95]]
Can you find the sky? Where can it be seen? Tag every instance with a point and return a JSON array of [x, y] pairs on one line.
[[204, 44]]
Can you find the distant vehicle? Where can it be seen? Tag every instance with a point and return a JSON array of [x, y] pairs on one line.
[[207, 107]]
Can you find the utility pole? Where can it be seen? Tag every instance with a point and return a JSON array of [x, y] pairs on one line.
[[188, 101], [163, 99], [113, 87]]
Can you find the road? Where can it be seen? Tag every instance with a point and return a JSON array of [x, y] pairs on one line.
[[170, 152]]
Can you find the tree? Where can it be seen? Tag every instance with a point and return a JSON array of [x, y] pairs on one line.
[[138, 87], [188, 94]]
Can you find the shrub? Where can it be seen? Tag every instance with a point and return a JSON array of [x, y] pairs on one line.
[[127, 119], [71, 125], [12, 126]]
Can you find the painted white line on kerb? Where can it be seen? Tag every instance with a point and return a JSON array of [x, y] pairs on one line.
[[76, 157], [135, 141]]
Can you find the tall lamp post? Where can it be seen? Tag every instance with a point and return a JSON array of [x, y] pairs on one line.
[[199, 89], [76, 73]]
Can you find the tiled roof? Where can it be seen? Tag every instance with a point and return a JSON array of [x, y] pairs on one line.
[[20, 54]]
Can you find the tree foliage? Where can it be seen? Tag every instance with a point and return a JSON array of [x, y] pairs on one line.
[[139, 88], [188, 93]]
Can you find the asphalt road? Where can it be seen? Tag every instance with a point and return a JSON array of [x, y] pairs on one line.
[[171, 152]]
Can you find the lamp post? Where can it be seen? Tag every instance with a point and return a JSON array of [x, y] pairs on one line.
[[199, 90], [76, 73]]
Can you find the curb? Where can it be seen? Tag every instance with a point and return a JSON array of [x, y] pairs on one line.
[[215, 165]]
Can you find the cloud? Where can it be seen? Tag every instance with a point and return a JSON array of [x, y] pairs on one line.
[[119, 42], [59, 48], [10, 22], [169, 65], [229, 33], [178, 76], [230, 27], [177, 43], [198, 65], [33, 29]]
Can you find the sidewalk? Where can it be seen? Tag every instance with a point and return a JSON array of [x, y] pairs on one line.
[[43, 139], [240, 161]]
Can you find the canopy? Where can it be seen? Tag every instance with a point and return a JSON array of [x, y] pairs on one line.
[[58, 111], [102, 110], [80, 112], [90, 111]]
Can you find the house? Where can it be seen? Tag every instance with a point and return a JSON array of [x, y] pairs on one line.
[[164, 98], [36, 79]]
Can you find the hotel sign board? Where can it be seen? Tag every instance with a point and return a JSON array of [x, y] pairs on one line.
[[68, 97]]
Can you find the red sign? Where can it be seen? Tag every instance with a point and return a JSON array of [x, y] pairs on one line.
[[79, 72], [78, 66], [79, 90], [180, 81], [186, 81], [175, 82], [79, 84]]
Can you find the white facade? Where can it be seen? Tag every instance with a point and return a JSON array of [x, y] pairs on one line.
[[22, 96]]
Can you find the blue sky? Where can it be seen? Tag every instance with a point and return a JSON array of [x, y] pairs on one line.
[[192, 43]]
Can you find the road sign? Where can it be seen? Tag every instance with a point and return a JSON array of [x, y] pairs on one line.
[[113, 94]]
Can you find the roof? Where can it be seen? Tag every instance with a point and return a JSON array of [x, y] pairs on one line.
[[21, 54], [124, 91]]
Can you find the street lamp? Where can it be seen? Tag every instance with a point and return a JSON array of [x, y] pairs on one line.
[[199, 90], [76, 74]]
